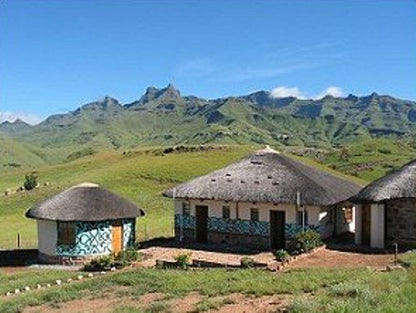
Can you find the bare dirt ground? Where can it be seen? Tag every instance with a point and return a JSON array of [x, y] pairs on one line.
[[321, 258], [335, 258], [169, 253], [193, 302]]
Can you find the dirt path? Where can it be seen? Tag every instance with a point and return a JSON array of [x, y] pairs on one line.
[[193, 302]]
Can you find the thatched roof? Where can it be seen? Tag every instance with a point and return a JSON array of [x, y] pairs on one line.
[[268, 176], [396, 185], [84, 202]]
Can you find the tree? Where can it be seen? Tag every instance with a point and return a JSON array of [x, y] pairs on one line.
[[31, 181]]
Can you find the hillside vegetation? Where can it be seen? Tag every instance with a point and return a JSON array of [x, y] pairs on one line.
[[163, 117], [139, 175]]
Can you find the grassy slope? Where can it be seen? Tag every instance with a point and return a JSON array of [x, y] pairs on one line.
[[138, 176], [315, 290]]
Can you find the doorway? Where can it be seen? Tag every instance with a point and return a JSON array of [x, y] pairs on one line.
[[366, 225], [117, 232], [201, 213], [277, 229]]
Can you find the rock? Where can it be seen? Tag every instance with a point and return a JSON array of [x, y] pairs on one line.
[[16, 291], [48, 285], [91, 274], [80, 277], [38, 286], [27, 288], [69, 280], [58, 282]]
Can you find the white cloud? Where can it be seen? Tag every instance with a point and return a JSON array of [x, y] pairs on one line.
[[284, 92], [331, 91], [27, 117]]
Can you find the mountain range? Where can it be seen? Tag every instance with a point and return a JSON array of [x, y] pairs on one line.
[[163, 117]]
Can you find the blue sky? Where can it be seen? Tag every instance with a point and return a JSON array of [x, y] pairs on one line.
[[58, 55]]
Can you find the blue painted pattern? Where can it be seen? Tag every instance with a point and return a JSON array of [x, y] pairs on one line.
[[96, 238], [244, 227]]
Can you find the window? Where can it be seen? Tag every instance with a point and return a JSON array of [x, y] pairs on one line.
[[186, 208], [225, 211], [66, 233], [348, 214], [299, 217], [254, 215]]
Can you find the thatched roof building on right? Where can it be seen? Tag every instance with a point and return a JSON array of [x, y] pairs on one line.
[[386, 210]]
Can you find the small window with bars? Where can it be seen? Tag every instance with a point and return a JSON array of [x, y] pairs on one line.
[[225, 211], [302, 217], [186, 208], [66, 233], [254, 215]]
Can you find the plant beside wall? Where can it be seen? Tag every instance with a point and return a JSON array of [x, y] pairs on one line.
[[304, 242], [247, 262], [282, 255], [183, 260], [107, 262]]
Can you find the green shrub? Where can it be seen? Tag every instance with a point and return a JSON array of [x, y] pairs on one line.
[[103, 263], [282, 255], [247, 262], [304, 241], [126, 257], [183, 260], [30, 182]]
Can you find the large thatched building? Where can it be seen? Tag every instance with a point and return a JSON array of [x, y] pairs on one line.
[[82, 222], [386, 210], [261, 201]]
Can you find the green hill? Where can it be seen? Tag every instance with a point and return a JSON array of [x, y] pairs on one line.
[[163, 117]]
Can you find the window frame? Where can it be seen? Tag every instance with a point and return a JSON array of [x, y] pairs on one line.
[[254, 215], [299, 217], [226, 212], [186, 209], [66, 233]]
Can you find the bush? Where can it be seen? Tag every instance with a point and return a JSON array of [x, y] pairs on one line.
[[304, 242], [103, 263], [282, 255], [247, 262], [183, 260], [31, 181], [126, 257]]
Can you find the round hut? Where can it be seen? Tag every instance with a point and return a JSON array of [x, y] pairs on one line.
[[262, 202], [83, 221], [386, 210]]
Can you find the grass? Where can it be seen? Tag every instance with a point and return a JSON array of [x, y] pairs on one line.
[[328, 290], [138, 176]]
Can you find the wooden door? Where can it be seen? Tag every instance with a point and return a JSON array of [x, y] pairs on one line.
[[117, 230], [201, 223], [277, 229], [366, 225]]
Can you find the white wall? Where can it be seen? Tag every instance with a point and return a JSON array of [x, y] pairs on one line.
[[377, 226], [47, 237], [215, 210]]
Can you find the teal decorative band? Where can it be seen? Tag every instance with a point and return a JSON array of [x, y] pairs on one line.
[[245, 227], [293, 229], [184, 221]]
